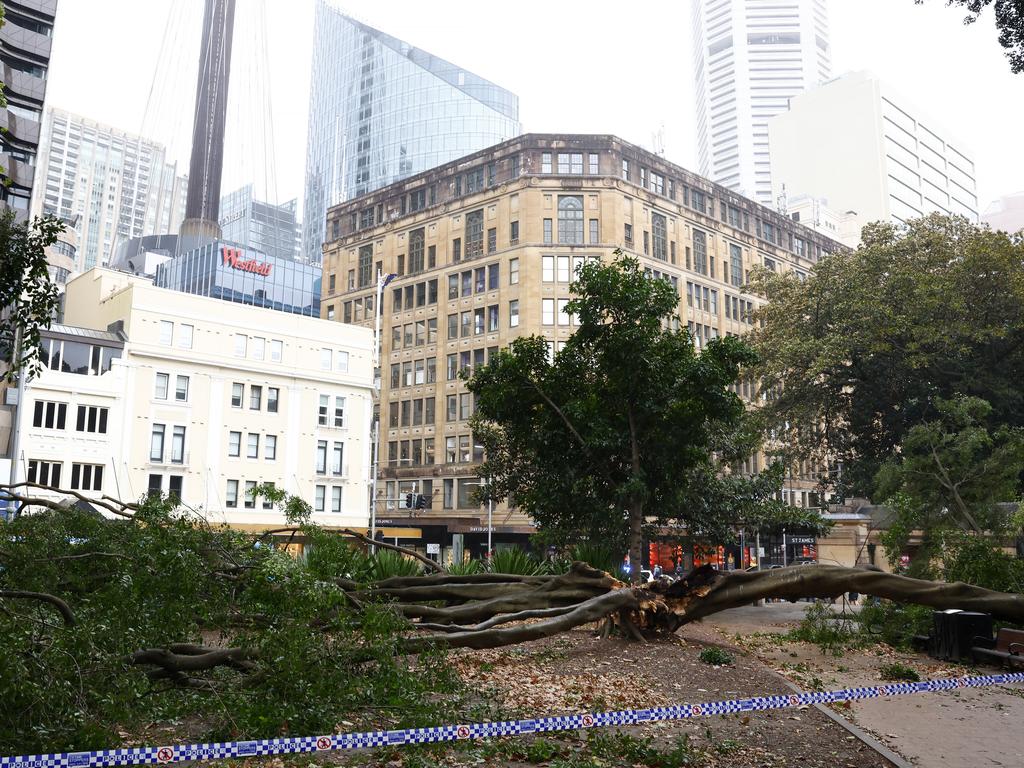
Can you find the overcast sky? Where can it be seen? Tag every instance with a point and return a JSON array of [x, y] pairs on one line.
[[575, 68]]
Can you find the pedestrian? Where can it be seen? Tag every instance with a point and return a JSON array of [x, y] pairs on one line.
[[657, 570], [679, 570]]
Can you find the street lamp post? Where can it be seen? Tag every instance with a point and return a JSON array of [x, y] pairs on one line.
[[382, 281]]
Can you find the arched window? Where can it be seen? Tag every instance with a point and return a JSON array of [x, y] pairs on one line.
[[570, 220]]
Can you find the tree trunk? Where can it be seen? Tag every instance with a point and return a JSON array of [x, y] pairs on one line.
[[636, 539]]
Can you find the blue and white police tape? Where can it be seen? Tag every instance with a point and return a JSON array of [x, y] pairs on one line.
[[291, 745]]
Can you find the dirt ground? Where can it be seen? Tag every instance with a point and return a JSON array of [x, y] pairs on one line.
[[969, 727], [578, 672]]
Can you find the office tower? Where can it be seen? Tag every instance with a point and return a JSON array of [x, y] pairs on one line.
[[272, 229], [865, 148], [109, 181], [381, 110], [1006, 213], [25, 40], [750, 58], [489, 258]]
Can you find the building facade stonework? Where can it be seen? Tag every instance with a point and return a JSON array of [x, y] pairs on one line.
[[490, 258]]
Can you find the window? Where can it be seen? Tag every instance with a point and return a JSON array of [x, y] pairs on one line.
[[627, 234], [178, 446], [336, 500], [270, 447], [181, 389], [478, 320], [595, 232], [416, 238], [592, 164], [547, 269], [155, 485], [492, 240], [337, 453], [234, 443], [513, 313], [185, 337], [86, 477], [474, 234], [174, 486], [273, 395], [91, 419], [547, 232], [276, 350], [453, 326], [467, 487], [563, 312], [700, 252], [513, 271], [547, 313], [255, 397], [448, 493], [166, 332], [625, 169], [365, 265], [162, 384], [456, 250], [325, 403], [570, 220], [342, 362], [570, 163], [267, 502], [563, 269], [659, 236], [453, 286], [259, 347], [237, 393], [50, 415], [326, 359], [231, 496], [44, 472], [250, 494], [736, 263], [241, 342], [466, 323], [339, 411], [493, 276], [253, 448], [492, 318], [156, 443], [465, 406], [321, 457], [545, 162], [513, 233]]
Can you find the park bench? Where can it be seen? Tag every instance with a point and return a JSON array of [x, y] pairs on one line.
[[1007, 646]]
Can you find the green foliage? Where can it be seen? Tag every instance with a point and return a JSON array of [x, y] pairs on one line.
[[625, 749], [597, 554], [897, 671], [387, 563], [166, 578], [466, 568], [1009, 20], [514, 560], [620, 431], [28, 297], [871, 343], [716, 656], [973, 560], [895, 624], [820, 627]]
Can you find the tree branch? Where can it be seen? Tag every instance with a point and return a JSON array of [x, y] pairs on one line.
[[63, 608], [411, 553]]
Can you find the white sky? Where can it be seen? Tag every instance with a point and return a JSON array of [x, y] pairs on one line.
[[576, 69]]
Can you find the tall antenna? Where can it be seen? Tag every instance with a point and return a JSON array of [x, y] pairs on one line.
[[781, 203], [207, 161], [658, 141]]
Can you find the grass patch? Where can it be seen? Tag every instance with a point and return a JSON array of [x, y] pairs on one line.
[[897, 671]]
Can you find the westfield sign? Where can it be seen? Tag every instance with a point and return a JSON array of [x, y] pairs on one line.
[[233, 258]]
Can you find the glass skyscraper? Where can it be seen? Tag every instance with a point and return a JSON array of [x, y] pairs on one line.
[[381, 110]]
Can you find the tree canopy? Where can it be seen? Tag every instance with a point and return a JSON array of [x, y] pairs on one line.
[[1009, 22], [875, 340], [621, 432], [28, 297]]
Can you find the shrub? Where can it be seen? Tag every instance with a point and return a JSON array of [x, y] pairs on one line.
[[823, 628], [716, 656], [897, 671], [514, 560], [895, 623]]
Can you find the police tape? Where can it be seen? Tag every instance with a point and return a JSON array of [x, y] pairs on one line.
[[291, 745]]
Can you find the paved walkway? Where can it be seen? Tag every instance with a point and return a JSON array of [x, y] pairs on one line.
[[971, 727]]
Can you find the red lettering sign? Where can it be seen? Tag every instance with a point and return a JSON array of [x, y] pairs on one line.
[[233, 258]]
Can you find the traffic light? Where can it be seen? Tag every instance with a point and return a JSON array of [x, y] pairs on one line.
[[410, 501], [422, 501]]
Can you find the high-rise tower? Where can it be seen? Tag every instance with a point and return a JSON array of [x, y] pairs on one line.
[[381, 110], [207, 160], [750, 58]]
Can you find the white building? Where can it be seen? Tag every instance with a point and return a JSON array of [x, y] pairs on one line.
[[1006, 213], [114, 184], [201, 398], [867, 149], [817, 214], [750, 58]]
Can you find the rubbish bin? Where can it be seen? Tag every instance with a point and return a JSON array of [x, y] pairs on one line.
[[953, 633]]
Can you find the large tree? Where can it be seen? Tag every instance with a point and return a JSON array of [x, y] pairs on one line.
[[869, 345], [619, 433]]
